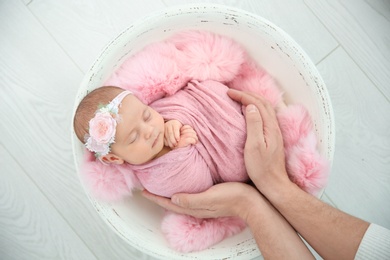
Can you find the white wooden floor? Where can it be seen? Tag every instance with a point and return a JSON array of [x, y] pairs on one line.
[[46, 46]]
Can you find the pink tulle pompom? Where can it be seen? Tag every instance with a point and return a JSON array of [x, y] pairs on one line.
[[108, 183], [186, 234], [152, 73], [295, 123], [255, 79], [306, 167], [208, 56]]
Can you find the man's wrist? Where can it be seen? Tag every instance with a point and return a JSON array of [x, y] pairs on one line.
[[276, 189], [253, 201]]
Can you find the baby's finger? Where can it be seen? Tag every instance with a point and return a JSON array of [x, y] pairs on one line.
[[190, 133], [171, 136], [170, 141], [194, 136], [176, 132], [187, 129], [167, 142], [191, 140]]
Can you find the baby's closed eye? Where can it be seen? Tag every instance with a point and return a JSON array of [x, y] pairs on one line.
[[147, 115], [132, 138]]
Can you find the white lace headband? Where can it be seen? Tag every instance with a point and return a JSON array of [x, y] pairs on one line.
[[102, 127]]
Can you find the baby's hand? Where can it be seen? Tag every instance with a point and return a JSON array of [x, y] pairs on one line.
[[187, 136], [176, 135], [172, 133]]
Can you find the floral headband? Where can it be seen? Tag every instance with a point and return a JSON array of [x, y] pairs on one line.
[[102, 127]]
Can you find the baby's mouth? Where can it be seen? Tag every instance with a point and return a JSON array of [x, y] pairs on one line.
[[155, 140]]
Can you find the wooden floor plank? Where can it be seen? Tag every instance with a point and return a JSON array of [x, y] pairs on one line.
[[363, 32], [360, 178], [30, 227], [83, 28], [38, 86]]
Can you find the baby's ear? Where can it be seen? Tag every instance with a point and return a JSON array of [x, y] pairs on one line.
[[112, 158]]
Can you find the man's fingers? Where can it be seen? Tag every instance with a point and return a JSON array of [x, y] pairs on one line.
[[254, 126], [180, 203], [189, 201], [165, 203], [161, 201], [267, 112], [244, 98]]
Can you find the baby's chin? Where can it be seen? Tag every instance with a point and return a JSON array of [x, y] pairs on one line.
[[139, 162]]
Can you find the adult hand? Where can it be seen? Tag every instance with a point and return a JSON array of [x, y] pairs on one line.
[[273, 234], [264, 152], [221, 200]]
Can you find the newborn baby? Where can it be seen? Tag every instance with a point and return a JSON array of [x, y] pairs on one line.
[[126, 131]]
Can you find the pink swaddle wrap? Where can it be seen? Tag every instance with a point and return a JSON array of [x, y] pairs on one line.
[[159, 76], [217, 157]]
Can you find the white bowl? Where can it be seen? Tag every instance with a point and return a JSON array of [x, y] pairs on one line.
[[136, 220]]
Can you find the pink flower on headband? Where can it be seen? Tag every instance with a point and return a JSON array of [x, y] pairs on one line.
[[102, 130], [102, 127]]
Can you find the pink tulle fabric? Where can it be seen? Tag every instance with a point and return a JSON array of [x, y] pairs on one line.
[[184, 78]]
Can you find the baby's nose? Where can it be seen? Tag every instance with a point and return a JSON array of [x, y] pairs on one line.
[[148, 130]]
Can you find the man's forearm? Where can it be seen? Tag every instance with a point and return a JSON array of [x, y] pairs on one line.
[[332, 233], [273, 234]]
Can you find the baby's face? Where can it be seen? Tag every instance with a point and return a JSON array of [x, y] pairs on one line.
[[140, 132]]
